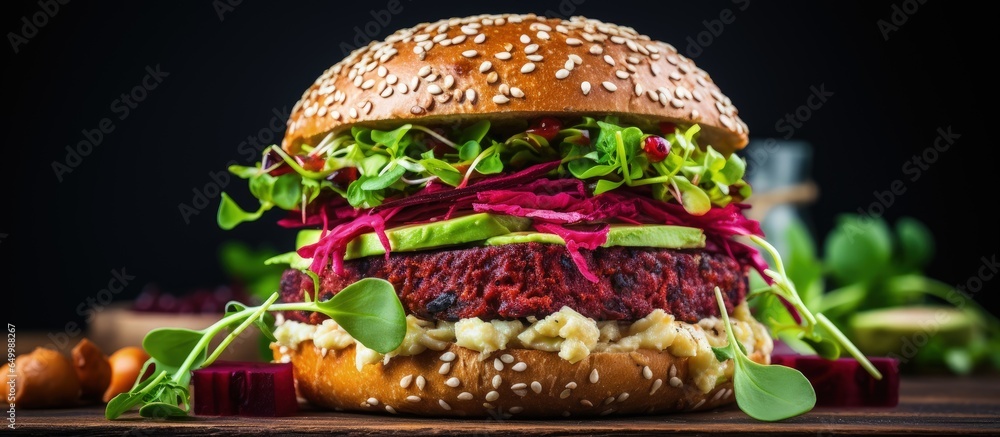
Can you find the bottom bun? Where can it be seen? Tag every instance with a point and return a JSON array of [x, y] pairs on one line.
[[509, 383]]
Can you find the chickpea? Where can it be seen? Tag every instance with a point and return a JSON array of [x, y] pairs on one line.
[[45, 379], [92, 369]]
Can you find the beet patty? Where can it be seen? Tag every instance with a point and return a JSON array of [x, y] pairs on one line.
[[531, 279]]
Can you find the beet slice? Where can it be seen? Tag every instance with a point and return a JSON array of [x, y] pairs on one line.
[[844, 383], [232, 388]]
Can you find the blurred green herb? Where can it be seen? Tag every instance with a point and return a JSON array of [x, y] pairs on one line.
[[881, 290]]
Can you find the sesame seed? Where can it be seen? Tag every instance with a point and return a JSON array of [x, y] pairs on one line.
[[402, 88], [470, 53], [382, 71], [515, 410], [507, 358], [390, 409], [542, 26], [503, 56], [368, 108], [434, 89], [405, 382], [632, 45], [458, 39], [531, 48], [391, 79], [445, 368], [418, 49], [417, 110], [594, 376], [520, 367], [465, 396], [621, 74], [617, 39], [695, 114], [479, 39], [492, 77], [700, 403], [413, 399], [449, 81], [525, 39], [562, 73], [726, 121], [663, 99], [439, 37], [585, 87], [469, 30], [609, 60], [652, 48], [573, 41], [609, 86], [718, 395], [681, 92], [535, 58], [571, 385], [677, 103], [444, 404], [508, 47], [470, 95], [424, 71], [608, 411], [527, 68], [421, 382], [505, 90], [656, 386], [519, 386], [492, 396], [372, 401], [586, 403], [485, 66], [562, 29], [516, 92], [596, 49], [675, 382], [542, 34], [565, 393], [672, 59], [697, 95], [452, 382], [421, 37], [353, 113], [622, 397], [646, 371], [569, 64], [729, 392], [655, 68], [536, 387], [609, 400], [488, 405], [336, 116], [497, 380], [674, 75]]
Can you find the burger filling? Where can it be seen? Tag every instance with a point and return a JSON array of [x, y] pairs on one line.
[[565, 332], [572, 236]]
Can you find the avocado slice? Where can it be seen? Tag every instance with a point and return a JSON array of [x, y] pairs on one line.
[[665, 236], [900, 329], [423, 236]]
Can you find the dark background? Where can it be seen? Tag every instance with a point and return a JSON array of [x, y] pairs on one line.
[[118, 209]]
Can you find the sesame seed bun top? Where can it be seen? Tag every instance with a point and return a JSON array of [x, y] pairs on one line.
[[514, 67]]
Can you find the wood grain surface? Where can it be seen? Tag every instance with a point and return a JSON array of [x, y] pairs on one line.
[[927, 406]]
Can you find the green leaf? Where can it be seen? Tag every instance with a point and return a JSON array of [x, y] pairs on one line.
[[605, 185], [363, 136], [369, 311], [732, 172], [824, 347], [858, 249], [392, 140], [371, 166], [693, 198], [723, 353], [443, 170], [287, 191], [916, 244], [469, 150], [126, 401], [384, 180], [958, 360], [243, 172], [771, 393], [161, 410], [804, 269], [359, 197], [474, 132], [632, 139], [172, 346], [230, 214], [490, 165]]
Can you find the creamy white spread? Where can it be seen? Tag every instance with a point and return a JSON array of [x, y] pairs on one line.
[[567, 332]]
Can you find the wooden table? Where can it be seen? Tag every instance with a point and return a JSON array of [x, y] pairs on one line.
[[927, 406]]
